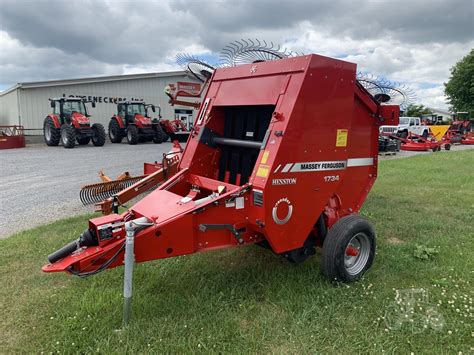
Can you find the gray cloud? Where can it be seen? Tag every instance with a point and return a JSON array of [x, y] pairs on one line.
[[52, 39]]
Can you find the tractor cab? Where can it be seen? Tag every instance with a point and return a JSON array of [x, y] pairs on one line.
[[65, 107]]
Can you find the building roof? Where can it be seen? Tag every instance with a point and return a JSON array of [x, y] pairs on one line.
[[97, 79]]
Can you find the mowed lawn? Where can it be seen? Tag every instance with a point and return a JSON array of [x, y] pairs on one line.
[[416, 298]]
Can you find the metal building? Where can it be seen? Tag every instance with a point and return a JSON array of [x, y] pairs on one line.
[[27, 104]]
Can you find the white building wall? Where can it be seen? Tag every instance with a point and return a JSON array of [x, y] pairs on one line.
[[35, 106], [9, 109]]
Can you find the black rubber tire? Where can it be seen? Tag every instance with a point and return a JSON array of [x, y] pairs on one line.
[[159, 135], [83, 140], [336, 242], [68, 136], [447, 147], [115, 132], [132, 135], [166, 135], [98, 139], [54, 136], [403, 134]]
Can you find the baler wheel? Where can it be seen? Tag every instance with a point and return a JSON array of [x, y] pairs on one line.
[[132, 135], [83, 140], [51, 134], [98, 139], [348, 249], [68, 136], [115, 132]]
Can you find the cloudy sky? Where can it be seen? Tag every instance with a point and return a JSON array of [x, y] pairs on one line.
[[415, 42]]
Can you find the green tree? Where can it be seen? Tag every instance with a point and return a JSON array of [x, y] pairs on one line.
[[460, 87], [416, 110]]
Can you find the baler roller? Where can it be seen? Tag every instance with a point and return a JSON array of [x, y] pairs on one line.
[[96, 193]]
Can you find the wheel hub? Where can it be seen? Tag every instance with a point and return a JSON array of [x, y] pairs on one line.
[[357, 253]]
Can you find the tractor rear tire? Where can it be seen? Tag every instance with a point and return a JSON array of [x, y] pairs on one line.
[[348, 249], [159, 135], [115, 132], [51, 134], [98, 139], [132, 135], [83, 140], [68, 136]]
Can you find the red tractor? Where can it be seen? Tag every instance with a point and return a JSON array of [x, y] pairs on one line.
[[132, 121], [70, 122]]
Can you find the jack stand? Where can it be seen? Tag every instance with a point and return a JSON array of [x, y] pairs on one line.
[[131, 228]]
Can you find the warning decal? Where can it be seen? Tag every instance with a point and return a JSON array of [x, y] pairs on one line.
[[341, 138], [263, 171], [265, 155]]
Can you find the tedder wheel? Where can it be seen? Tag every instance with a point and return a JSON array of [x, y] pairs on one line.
[[68, 136], [115, 132], [98, 139], [51, 134], [159, 135], [348, 249], [447, 146], [83, 140], [132, 134]]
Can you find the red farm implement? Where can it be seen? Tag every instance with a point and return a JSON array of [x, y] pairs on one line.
[[282, 153], [12, 137], [109, 194], [417, 143]]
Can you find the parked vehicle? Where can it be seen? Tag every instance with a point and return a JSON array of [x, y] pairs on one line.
[[407, 125], [69, 123], [133, 122]]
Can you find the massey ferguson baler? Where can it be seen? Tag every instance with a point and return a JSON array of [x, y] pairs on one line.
[[282, 154]]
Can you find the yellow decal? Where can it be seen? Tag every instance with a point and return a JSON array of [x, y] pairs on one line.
[[263, 171], [341, 138], [265, 155]]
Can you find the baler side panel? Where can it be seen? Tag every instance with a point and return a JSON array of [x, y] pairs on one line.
[[312, 129]]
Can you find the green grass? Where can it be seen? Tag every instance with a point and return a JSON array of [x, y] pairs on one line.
[[248, 300]]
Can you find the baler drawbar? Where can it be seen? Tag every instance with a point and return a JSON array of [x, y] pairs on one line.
[[282, 153]]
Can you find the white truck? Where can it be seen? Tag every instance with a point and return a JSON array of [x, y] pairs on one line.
[[405, 125]]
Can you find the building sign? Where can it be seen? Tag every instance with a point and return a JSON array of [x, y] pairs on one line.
[[103, 99], [186, 89]]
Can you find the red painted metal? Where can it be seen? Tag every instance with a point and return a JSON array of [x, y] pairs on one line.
[[317, 158], [12, 137], [119, 119], [55, 119]]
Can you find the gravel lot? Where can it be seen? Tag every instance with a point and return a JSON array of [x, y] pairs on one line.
[[41, 184]]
